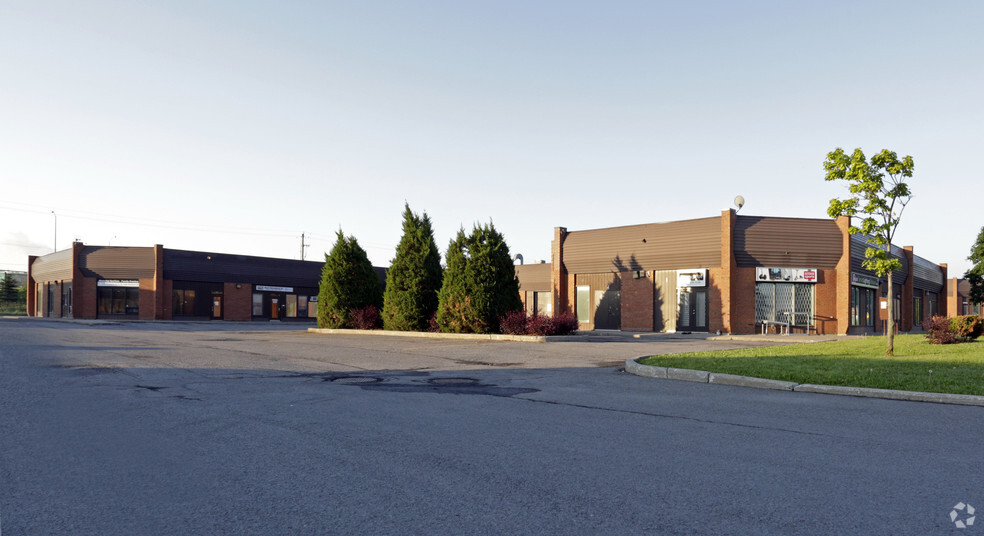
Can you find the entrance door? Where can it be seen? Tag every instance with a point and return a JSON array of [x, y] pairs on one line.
[[216, 306], [274, 307], [693, 310]]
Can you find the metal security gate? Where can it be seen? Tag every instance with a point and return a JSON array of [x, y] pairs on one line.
[[784, 302]]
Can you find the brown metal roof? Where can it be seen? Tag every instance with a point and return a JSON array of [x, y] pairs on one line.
[[534, 277], [107, 262], [791, 242], [653, 246], [53, 266]]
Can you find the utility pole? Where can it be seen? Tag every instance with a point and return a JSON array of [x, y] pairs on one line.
[[55, 244], [303, 245]]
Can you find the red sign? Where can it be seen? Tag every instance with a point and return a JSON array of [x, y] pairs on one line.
[[810, 275]]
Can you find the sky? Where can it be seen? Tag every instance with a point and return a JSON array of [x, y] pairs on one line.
[[236, 126]]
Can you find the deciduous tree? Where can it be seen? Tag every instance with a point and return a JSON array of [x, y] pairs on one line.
[[976, 273], [879, 195]]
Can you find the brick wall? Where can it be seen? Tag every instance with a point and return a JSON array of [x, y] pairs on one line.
[[743, 300], [637, 303], [85, 295], [238, 302], [826, 295], [148, 299], [842, 311]]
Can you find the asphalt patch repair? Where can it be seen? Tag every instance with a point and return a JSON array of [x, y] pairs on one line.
[[426, 384]]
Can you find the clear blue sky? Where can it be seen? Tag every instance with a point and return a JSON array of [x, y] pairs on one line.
[[236, 126]]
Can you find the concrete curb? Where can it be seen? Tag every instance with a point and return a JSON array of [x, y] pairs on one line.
[[429, 335], [632, 366]]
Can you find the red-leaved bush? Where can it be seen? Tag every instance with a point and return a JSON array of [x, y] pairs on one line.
[[938, 331], [518, 323], [366, 318]]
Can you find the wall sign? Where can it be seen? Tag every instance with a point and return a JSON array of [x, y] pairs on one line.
[[128, 283], [861, 280], [788, 275], [274, 289], [696, 277]]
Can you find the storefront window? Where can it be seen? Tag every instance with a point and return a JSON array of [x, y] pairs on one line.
[[784, 302], [257, 304], [583, 304], [183, 302], [118, 301], [313, 307], [291, 306], [862, 306]]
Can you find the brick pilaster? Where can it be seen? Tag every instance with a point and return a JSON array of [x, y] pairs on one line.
[[558, 272], [842, 316]]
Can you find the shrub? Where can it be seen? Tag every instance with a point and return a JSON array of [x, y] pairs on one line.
[[966, 328], [514, 322], [564, 323], [939, 331], [538, 324], [365, 318], [518, 323]]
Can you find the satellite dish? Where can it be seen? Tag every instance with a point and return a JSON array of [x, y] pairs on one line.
[[739, 202]]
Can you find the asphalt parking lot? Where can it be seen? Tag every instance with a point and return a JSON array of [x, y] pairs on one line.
[[181, 428]]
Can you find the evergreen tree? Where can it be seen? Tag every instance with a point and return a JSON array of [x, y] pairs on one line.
[[9, 289], [455, 313], [414, 277], [348, 282], [480, 283], [495, 287]]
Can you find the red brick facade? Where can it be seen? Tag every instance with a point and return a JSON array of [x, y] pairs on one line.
[[731, 287]]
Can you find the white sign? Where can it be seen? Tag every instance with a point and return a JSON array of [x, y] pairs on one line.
[[696, 277], [275, 289], [128, 283], [786, 275]]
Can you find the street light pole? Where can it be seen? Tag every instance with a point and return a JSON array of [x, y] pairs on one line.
[[55, 244]]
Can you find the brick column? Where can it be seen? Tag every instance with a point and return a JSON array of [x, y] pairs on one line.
[[558, 272], [843, 278], [725, 279], [952, 298], [78, 281], [907, 292], [32, 287], [941, 299], [162, 298]]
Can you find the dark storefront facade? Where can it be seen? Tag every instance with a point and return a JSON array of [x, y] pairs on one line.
[[154, 283]]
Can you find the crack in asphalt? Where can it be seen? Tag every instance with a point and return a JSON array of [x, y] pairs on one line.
[[667, 416]]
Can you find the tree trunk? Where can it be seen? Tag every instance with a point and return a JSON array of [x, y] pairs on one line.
[[890, 350]]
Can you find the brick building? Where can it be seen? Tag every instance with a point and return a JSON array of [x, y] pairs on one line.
[[154, 283], [958, 299], [736, 274]]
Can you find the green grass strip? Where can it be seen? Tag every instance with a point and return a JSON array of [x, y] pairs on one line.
[[916, 366]]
